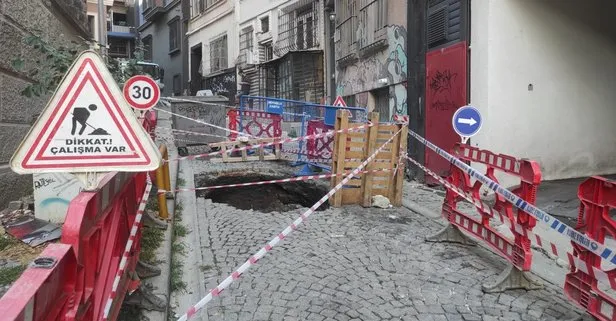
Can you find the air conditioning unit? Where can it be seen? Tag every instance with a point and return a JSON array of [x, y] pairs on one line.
[[250, 57]]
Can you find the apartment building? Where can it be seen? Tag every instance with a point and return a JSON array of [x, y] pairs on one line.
[[162, 29], [281, 49], [121, 21], [211, 35], [371, 61]]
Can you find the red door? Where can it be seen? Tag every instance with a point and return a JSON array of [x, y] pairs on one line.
[[446, 91]]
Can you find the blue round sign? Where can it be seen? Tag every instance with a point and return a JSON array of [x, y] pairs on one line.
[[466, 121]]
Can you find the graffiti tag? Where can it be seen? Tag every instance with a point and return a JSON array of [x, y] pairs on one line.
[[43, 182], [442, 81]]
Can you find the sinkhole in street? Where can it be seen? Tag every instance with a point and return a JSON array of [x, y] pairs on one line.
[[280, 197]]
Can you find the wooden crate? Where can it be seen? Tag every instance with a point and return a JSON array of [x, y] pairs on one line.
[[352, 149]]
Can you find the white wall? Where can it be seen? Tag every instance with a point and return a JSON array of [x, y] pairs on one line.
[[567, 122], [210, 25]]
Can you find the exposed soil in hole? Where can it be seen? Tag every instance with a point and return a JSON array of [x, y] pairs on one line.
[[264, 198]]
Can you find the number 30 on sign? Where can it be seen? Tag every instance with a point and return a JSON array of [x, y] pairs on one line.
[[141, 92]]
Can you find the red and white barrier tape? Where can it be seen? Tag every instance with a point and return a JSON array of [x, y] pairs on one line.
[[261, 253], [194, 101], [129, 245], [204, 123], [278, 142], [307, 153], [535, 238], [274, 181], [190, 132]]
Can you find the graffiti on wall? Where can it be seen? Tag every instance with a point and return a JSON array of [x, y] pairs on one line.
[[52, 194], [441, 85], [224, 84], [390, 63]]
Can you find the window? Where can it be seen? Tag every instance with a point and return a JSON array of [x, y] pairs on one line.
[[177, 85], [147, 4], [373, 21], [175, 34], [306, 28], [218, 54], [119, 19], [265, 24], [147, 48], [266, 52], [246, 44], [119, 48], [199, 6], [346, 26], [92, 26]]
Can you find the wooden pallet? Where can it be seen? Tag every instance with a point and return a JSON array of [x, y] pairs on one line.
[[244, 157], [351, 149]]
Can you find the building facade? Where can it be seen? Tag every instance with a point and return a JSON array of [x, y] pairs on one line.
[[370, 55], [281, 49], [121, 22], [161, 31], [212, 47], [57, 21], [540, 72]]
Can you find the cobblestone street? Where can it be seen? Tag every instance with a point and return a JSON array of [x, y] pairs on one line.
[[356, 264]]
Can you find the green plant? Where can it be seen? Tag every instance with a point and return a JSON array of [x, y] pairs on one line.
[[9, 275], [6, 241], [178, 249], [51, 62], [151, 240], [180, 182]]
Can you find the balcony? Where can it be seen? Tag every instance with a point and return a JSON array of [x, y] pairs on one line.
[[153, 9], [120, 31]]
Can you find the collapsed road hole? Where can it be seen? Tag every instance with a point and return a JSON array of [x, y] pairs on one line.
[[266, 198]]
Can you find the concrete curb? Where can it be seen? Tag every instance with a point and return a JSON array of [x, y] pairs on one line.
[[162, 283]]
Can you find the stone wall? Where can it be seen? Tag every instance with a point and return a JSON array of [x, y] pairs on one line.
[[58, 21]]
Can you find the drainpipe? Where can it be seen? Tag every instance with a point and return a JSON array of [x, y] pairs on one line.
[[330, 51]]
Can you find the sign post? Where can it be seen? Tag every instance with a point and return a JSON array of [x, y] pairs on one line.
[[466, 122], [87, 128]]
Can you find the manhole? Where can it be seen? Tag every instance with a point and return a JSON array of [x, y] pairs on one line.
[[267, 198]]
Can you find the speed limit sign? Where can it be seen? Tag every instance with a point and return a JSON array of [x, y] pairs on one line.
[[141, 92]]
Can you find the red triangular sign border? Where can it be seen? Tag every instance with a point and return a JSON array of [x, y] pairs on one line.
[[339, 102], [89, 67]]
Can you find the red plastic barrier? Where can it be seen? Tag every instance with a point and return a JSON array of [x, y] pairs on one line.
[[528, 172], [150, 119], [597, 199], [72, 280], [255, 123], [321, 148], [77, 285]]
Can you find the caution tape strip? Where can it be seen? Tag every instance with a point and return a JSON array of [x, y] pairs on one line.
[[488, 209], [261, 253], [541, 216], [278, 142], [191, 132], [274, 181], [129, 245], [593, 271], [307, 153], [194, 101]]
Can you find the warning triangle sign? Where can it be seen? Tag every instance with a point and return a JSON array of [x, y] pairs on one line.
[[87, 126]]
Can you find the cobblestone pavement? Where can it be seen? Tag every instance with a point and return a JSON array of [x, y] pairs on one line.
[[357, 264]]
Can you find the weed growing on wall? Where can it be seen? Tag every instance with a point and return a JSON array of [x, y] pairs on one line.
[[51, 62]]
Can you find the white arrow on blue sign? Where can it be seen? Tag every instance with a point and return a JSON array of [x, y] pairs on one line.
[[466, 121]]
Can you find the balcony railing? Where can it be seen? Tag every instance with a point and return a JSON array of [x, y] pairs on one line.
[[373, 22], [348, 37], [123, 29]]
